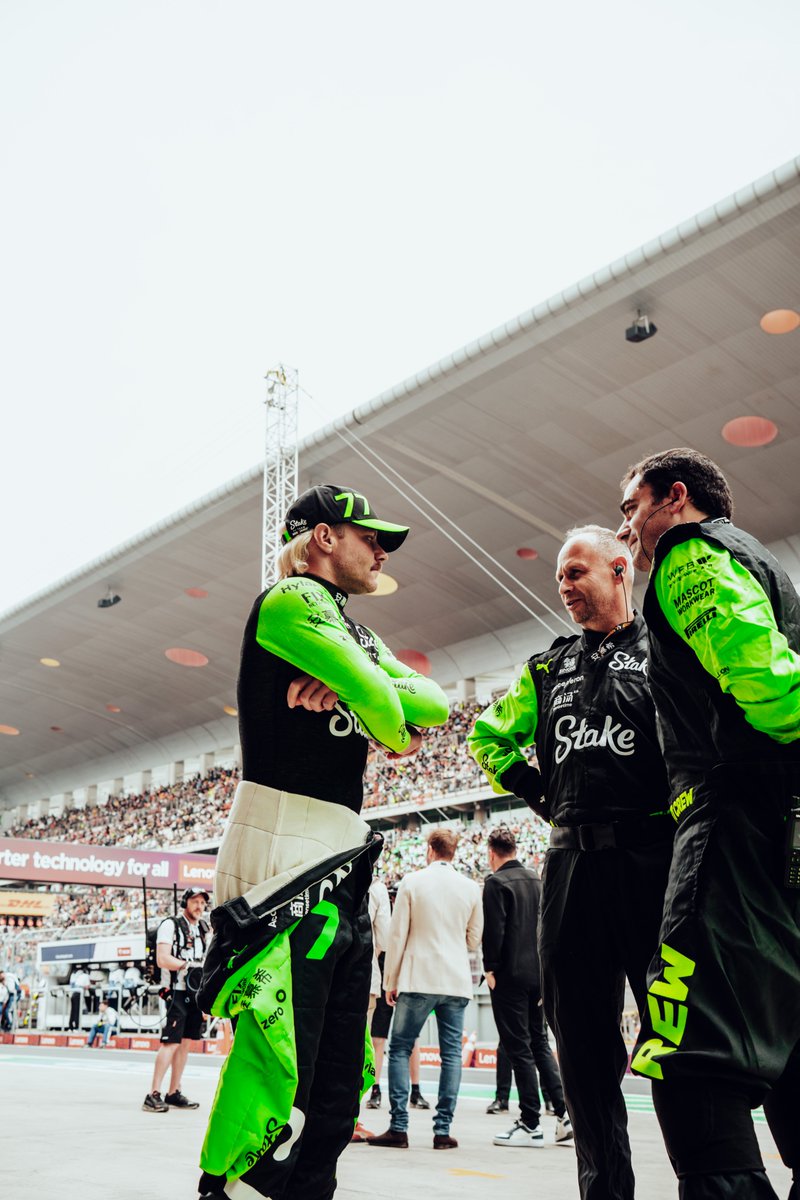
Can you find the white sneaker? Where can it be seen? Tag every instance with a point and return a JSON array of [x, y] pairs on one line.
[[564, 1132], [520, 1135]]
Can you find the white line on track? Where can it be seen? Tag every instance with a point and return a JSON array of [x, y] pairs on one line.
[[634, 1102]]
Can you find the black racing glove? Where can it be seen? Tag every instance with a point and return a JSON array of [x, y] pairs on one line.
[[525, 781]]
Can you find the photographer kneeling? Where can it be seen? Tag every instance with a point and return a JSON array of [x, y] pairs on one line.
[[180, 950]]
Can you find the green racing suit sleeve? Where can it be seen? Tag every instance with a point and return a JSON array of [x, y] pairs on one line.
[[303, 625], [423, 701], [498, 737], [722, 612]]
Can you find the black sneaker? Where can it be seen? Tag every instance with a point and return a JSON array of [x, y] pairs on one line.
[[418, 1100], [154, 1103], [498, 1106], [178, 1100], [375, 1097]]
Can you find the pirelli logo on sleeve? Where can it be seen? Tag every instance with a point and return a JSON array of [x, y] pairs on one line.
[[697, 624]]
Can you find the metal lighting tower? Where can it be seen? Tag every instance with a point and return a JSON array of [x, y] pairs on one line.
[[280, 462]]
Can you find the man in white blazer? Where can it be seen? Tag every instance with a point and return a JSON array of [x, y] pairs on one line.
[[437, 920]]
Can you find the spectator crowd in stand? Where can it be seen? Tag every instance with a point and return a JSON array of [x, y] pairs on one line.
[[195, 809], [119, 908], [405, 851], [176, 815], [440, 767]]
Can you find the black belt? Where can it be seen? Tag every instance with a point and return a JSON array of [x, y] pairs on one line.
[[615, 835]]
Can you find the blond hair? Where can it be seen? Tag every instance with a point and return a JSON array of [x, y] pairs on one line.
[[293, 556]]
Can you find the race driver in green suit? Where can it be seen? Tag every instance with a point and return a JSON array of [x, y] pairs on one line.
[[291, 957], [721, 1027]]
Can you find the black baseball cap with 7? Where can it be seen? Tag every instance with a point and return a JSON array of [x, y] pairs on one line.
[[332, 505]]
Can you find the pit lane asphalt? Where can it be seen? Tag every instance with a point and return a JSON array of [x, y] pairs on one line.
[[71, 1128]]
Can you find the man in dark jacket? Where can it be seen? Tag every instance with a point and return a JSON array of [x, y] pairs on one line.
[[511, 965], [586, 706], [721, 1027]]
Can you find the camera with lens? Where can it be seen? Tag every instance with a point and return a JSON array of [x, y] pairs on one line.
[[194, 977]]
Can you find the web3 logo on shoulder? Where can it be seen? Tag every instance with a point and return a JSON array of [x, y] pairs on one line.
[[573, 735]]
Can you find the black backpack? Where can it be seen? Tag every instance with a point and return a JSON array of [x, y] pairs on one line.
[[183, 935]]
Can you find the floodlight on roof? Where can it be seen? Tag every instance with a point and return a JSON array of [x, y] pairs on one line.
[[109, 600], [641, 329]]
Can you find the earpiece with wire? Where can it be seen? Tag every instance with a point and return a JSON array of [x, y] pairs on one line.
[[649, 557], [619, 569]]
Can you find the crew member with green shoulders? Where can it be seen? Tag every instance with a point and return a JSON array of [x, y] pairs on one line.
[[721, 1027], [585, 705]]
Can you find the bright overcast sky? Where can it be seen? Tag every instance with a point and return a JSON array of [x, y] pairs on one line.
[[194, 192]]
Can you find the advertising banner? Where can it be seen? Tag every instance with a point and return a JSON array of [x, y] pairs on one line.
[[26, 904], [71, 862], [125, 947]]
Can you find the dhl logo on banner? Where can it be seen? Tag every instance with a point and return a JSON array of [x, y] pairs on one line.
[[26, 904]]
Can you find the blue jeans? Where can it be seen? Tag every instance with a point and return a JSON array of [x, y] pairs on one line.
[[97, 1028], [410, 1014]]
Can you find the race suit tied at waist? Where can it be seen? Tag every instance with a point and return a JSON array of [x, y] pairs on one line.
[[622, 835], [241, 932]]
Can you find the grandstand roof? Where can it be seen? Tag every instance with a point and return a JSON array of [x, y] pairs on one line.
[[515, 437]]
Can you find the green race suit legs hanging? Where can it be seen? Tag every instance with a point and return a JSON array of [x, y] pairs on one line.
[[287, 1099]]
